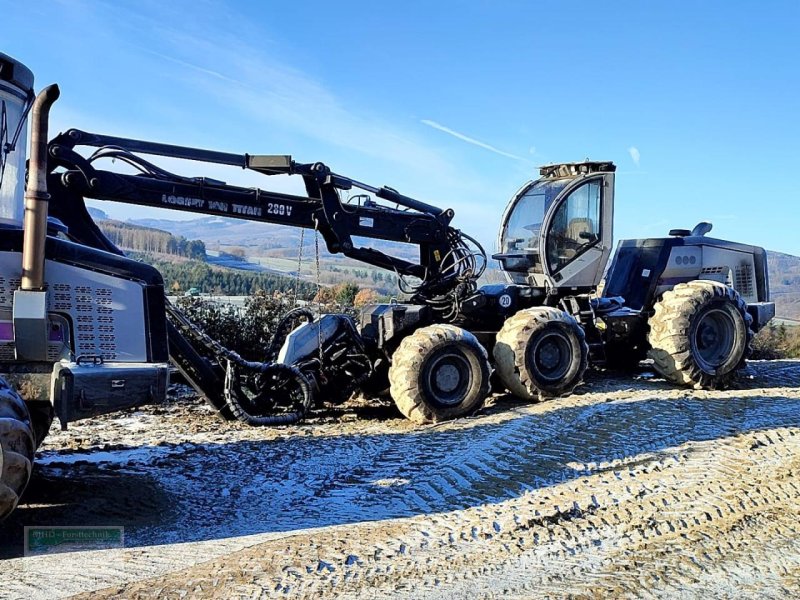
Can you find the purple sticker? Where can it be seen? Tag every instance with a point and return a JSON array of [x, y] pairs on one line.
[[7, 332]]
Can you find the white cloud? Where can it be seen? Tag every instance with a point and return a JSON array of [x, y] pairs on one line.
[[213, 58], [275, 96], [635, 156], [468, 139]]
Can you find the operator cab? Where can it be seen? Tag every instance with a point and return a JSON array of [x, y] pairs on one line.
[[16, 96], [557, 230]]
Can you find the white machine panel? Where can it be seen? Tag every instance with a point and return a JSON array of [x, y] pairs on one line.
[[107, 313]]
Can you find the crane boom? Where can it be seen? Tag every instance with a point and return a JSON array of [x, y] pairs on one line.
[[444, 262]]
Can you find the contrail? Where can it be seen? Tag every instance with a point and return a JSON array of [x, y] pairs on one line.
[[470, 140]]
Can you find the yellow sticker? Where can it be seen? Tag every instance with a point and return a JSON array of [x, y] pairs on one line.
[[437, 255]]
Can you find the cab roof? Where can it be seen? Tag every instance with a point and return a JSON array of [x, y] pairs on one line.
[[572, 169], [16, 73]]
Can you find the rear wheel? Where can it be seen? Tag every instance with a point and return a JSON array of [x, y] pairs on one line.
[[700, 334], [17, 447], [541, 352], [438, 373]]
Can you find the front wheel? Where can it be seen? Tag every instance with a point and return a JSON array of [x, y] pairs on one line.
[[17, 447], [700, 334], [541, 352], [439, 372]]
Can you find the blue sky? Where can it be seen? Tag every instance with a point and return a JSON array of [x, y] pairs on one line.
[[455, 103]]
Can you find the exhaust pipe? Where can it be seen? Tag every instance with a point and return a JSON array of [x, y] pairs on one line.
[[36, 196], [30, 301]]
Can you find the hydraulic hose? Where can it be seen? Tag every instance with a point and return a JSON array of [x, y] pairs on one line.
[[236, 399], [285, 327]]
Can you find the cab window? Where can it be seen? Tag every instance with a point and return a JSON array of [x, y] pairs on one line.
[[575, 226]]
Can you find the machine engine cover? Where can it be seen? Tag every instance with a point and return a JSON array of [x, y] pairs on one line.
[[382, 323], [304, 341]]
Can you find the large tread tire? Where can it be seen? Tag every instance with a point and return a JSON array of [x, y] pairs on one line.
[[675, 347], [17, 447], [42, 416], [418, 359], [517, 343]]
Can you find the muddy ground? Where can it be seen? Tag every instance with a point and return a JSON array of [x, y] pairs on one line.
[[630, 487]]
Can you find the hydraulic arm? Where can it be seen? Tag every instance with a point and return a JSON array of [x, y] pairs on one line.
[[446, 262]]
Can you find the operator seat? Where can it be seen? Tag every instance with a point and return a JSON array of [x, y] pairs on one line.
[[572, 240]]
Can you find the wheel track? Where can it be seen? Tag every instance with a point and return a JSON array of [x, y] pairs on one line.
[[694, 529], [557, 478], [484, 461]]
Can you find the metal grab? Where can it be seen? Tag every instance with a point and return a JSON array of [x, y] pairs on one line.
[[252, 389]]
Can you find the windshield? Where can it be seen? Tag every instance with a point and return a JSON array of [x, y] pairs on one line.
[[12, 163], [520, 238], [525, 222]]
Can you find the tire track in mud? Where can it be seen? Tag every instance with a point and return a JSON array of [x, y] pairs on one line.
[[542, 449], [691, 527], [452, 469], [570, 489]]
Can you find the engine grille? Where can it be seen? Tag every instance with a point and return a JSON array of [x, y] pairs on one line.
[[89, 306], [95, 326], [743, 279], [7, 287]]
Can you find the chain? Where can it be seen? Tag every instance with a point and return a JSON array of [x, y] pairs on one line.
[[299, 265], [220, 352], [232, 363]]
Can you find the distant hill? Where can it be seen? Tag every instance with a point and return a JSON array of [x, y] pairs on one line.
[[784, 284], [96, 213], [260, 239], [282, 242]]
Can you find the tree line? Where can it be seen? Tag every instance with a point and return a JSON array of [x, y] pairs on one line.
[[147, 239], [182, 276]]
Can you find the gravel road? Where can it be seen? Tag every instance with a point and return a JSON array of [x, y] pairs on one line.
[[630, 487]]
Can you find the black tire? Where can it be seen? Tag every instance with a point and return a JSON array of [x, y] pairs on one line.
[[41, 419], [377, 384], [540, 353], [700, 334], [17, 447], [439, 372]]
